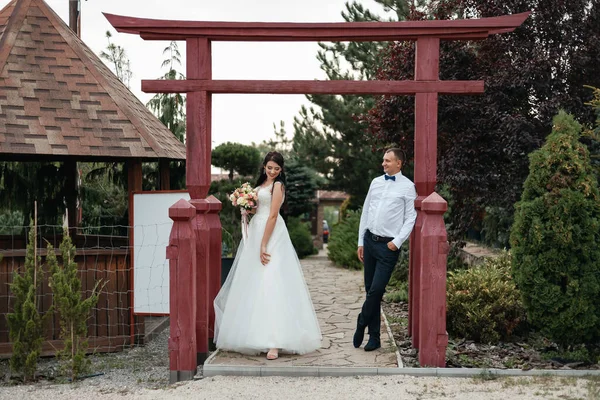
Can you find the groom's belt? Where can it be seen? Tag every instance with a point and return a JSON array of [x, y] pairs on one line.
[[377, 238]]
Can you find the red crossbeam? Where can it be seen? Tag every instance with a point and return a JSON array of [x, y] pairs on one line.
[[312, 87], [462, 29]]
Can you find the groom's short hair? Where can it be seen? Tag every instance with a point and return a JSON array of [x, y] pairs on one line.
[[398, 153]]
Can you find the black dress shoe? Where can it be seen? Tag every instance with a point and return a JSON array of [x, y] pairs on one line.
[[373, 344], [359, 335]]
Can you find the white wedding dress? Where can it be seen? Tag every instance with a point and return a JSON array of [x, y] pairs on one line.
[[268, 306]]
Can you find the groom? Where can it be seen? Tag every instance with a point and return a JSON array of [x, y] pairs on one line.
[[388, 217]]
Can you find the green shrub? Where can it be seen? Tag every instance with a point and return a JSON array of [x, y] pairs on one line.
[[399, 277], [230, 216], [496, 227], [11, 222], [398, 294], [301, 237], [483, 302], [455, 261], [344, 209], [26, 322], [73, 310], [556, 238], [343, 241]]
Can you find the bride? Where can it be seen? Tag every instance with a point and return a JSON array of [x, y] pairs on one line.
[[264, 305]]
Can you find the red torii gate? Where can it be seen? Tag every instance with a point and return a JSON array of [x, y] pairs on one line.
[[195, 245]]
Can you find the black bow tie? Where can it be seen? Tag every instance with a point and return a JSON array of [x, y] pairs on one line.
[[390, 177]]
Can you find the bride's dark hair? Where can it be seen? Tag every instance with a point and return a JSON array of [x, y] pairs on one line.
[[277, 158]]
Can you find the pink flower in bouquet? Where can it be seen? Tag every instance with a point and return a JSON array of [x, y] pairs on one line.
[[244, 197]]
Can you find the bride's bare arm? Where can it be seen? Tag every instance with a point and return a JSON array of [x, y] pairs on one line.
[[273, 213]]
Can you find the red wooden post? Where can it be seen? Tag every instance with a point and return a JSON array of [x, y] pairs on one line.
[[134, 184], [202, 284], [198, 122], [181, 254], [214, 262], [427, 61], [433, 338], [198, 147]]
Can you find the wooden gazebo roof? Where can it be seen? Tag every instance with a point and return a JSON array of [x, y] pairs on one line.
[[59, 100]]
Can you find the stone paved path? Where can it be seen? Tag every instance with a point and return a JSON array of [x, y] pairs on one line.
[[337, 295]]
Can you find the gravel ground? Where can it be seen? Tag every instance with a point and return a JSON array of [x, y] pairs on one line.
[[142, 373], [139, 367], [379, 387]]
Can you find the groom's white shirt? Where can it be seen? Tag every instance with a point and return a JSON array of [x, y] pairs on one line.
[[389, 209]]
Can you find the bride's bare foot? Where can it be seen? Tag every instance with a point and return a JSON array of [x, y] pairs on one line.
[[273, 354]]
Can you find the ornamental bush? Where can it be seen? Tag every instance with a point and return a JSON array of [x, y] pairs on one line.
[[483, 302], [343, 242], [26, 322], [300, 237], [556, 238]]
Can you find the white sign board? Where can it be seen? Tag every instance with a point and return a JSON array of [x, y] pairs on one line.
[[151, 230]]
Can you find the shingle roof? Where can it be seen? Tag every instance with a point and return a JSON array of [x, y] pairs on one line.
[[57, 98]]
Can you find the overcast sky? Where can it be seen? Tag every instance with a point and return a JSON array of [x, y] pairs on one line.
[[237, 118]]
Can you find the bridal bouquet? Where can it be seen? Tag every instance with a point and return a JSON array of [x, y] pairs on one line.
[[244, 197]]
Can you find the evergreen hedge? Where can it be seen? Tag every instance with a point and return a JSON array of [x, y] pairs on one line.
[[556, 238], [300, 237], [343, 240]]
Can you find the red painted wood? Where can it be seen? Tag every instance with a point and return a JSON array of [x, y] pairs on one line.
[[202, 233], [433, 338], [455, 35], [181, 253], [314, 87], [463, 29], [426, 68], [426, 107], [198, 148], [164, 174], [214, 259], [414, 274], [198, 135], [426, 104], [134, 183]]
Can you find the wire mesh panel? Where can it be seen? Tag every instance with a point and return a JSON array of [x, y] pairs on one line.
[[100, 258]]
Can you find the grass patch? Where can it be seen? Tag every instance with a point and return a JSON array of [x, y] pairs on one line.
[[394, 320], [484, 376], [398, 295]]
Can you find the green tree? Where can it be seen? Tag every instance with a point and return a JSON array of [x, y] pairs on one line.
[[24, 183], [329, 137], [300, 189], [556, 238], [11, 223], [170, 110], [170, 107], [529, 74], [280, 142], [118, 60], [72, 309], [591, 137], [26, 322], [236, 157], [104, 198]]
